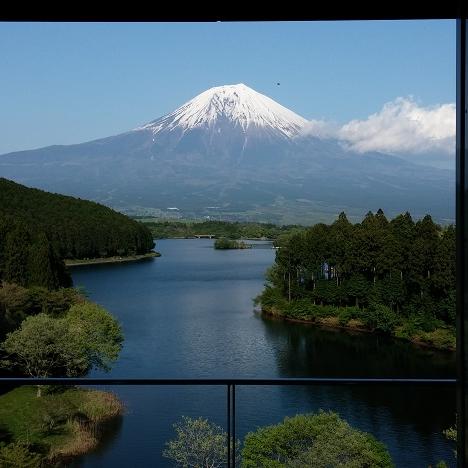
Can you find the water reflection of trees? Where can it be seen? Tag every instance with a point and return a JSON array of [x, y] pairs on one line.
[[306, 351]]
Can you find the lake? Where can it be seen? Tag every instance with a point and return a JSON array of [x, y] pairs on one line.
[[189, 314]]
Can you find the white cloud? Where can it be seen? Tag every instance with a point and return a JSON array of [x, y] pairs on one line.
[[401, 127], [404, 126], [321, 129]]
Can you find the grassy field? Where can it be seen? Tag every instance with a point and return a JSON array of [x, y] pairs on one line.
[[60, 424]]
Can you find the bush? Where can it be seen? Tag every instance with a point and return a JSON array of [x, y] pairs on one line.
[[381, 318], [301, 309], [406, 331], [198, 443], [439, 338], [304, 309], [345, 314], [422, 311], [424, 321], [318, 440], [17, 455], [271, 297]]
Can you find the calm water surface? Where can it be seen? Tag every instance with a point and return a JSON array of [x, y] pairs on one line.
[[189, 314]]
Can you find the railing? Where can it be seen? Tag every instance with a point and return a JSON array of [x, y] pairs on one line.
[[230, 390]]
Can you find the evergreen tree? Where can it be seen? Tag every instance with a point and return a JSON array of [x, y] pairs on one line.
[[422, 255], [45, 268], [357, 288], [16, 253]]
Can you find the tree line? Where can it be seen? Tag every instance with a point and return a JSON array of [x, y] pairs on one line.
[[231, 230], [398, 268], [403, 264]]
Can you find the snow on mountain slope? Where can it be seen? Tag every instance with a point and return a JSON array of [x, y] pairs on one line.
[[239, 104], [237, 149]]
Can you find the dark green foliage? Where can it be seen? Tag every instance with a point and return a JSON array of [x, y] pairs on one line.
[[319, 440], [29, 258], [270, 297], [16, 253], [17, 303], [39, 229], [407, 266], [76, 228], [447, 310], [356, 288], [345, 314], [223, 244], [45, 268], [392, 290], [397, 272], [381, 318], [326, 292]]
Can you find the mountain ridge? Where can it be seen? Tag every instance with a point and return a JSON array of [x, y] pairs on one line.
[[235, 148]]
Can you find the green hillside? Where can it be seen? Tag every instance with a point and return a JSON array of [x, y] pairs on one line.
[[77, 228], [39, 229]]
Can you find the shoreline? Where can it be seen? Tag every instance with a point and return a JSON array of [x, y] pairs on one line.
[[333, 324], [80, 420], [86, 437], [260, 239], [115, 259]]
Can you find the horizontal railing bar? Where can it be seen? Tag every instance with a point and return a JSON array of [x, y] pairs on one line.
[[241, 381]]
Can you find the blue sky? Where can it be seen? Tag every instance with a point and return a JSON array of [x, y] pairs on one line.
[[72, 82]]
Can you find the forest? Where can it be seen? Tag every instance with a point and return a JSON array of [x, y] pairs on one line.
[[396, 277], [39, 229]]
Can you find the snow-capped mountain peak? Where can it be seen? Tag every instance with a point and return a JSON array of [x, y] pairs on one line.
[[239, 104]]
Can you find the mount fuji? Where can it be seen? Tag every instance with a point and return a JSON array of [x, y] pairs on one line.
[[234, 153]]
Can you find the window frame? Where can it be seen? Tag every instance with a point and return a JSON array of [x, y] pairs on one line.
[[396, 10]]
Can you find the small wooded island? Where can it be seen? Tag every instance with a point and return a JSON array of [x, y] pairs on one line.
[[223, 243]]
